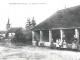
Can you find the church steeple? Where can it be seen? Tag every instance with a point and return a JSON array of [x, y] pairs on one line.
[[8, 25], [8, 21]]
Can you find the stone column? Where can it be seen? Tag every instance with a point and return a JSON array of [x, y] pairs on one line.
[[41, 36], [77, 34], [61, 34], [50, 35]]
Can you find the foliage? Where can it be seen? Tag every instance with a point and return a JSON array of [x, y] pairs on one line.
[[28, 35], [22, 35], [33, 22], [19, 36], [30, 24], [6, 35]]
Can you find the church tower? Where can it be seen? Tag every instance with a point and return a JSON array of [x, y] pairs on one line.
[[8, 25]]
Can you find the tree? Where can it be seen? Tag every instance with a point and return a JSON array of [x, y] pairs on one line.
[[19, 36], [6, 35], [30, 24], [33, 22]]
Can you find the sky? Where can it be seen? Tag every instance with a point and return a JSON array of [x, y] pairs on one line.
[[19, 10]]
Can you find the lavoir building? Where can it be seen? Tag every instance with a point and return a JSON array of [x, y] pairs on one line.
[[65, 22]]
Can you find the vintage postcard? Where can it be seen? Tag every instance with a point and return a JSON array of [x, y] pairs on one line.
[[39, 30]]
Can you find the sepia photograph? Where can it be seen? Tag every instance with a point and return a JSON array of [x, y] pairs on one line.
[[39, 30]]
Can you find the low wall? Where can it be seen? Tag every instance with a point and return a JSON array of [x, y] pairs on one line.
[[79, 48], [34, 43]]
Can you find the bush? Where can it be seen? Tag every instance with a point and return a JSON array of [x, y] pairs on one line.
[[28, 35], [19, 36]]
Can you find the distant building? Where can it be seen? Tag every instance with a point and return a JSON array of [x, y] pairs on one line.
[[10, 31], [8, 25], [2, 34]]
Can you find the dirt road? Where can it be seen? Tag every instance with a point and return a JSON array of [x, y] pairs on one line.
[[36, 53]]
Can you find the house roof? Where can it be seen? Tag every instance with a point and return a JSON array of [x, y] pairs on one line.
[[13, 29], [62, 19], [2, 32]]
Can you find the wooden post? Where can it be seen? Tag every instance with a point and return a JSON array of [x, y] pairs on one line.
[[50, 35]]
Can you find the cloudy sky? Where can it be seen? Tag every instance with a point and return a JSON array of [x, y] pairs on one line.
[[19, 10]]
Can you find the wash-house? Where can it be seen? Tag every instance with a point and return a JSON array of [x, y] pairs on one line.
[[65, 22]]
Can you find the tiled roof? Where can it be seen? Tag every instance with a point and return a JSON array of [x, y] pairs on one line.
[[14, 29], [65, 18]]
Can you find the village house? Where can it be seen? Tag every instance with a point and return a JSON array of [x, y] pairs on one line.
[[63, 23], [2, 34], [10, 31]]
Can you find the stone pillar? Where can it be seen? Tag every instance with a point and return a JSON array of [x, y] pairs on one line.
[[50, 35], [61, 34], [41, 43], [77, 34], [41, 36], [32, 37]]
